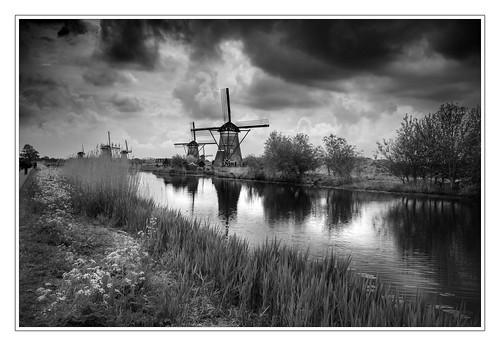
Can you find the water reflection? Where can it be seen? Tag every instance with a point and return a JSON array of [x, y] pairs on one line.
[[341, 208], [439, 239], [282, 202], [425, 244], [228, 194], [183, 183]]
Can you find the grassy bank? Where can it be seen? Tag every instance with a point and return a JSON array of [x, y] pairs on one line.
[[368, 180], [173, 262]]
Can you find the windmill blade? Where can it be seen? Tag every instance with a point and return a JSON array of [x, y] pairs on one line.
[[226, 107], [252, 123], [193, 132], [180, 145], [126, 145]]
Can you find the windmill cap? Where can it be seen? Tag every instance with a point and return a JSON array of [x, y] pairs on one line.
[[229, 126], [192, 144]]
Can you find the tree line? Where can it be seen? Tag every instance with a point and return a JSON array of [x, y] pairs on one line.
[[442, 147], [288, 158]]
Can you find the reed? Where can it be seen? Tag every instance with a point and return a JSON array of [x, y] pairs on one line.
[[107, 189], [277, 285]]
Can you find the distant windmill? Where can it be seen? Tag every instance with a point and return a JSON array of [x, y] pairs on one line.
[[124, 153], [229, 145], [107, 149], [81, 154], [193, 147]]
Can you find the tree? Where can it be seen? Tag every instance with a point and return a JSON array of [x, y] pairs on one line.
[[290, 157], [177, 161], [460, 139], [406, 155], [28, 156], [444, 144], [339, 156]]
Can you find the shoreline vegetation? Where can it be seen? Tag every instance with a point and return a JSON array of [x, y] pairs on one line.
[[372, 178], [93, 254]]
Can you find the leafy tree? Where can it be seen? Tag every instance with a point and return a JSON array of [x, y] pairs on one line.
[[290, 157], [406, 154], [339, 156], [459, 132], [28, 156], [444, 144], [177, 161], [255, 166]]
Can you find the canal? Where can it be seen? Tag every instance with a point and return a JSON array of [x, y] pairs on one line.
[[413, 244]]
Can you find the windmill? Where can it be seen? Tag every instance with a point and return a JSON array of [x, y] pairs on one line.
[[193, 147], [124, 153], [81, 154], [107, 149], [229, 145]]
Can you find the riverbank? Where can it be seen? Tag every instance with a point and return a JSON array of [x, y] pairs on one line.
[[366, 182], [76, 271], [127, 262]]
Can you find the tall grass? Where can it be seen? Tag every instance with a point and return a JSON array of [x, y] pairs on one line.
[[106, 189], [273, 284]]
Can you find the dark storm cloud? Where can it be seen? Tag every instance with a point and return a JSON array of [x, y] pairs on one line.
[[136, 41], [269, 93], [72, 27], [299, 50], [42, 98], [29, 34]]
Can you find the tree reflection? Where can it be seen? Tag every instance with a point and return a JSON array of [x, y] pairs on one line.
[[446, 233], [341, 208], [283, 203]]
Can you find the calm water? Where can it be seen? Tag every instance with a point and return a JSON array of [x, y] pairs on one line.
[[411, 243]]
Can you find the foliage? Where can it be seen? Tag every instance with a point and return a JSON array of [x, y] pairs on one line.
[[339, 156], [290, 157], [446, 144], [191, 159], [28, 156], [177, 161], [255, 165]]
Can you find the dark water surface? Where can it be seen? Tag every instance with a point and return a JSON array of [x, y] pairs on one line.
[[411, 243]]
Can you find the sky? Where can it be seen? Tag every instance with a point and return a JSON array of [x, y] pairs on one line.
[[144, 80]]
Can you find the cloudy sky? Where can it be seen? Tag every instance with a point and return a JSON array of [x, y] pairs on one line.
[[145, 80]]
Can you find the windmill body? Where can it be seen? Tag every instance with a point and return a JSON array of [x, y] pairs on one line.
[[124, 153], [229, 151], [193, 147], [229, 145], [81, 154], [107, 149]]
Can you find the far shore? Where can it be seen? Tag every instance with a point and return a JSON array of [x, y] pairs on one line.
[[363, 183]]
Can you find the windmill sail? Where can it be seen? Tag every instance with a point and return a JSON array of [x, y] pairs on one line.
[[226, 106]]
